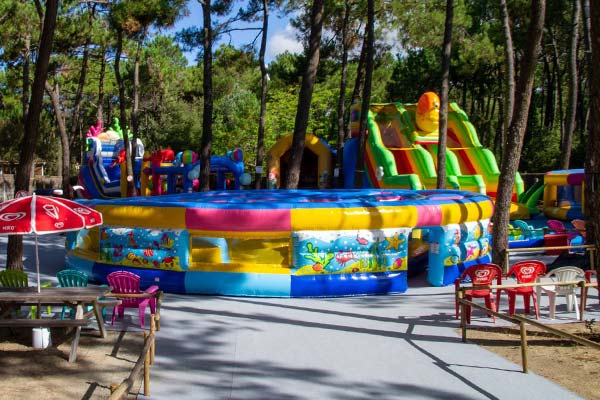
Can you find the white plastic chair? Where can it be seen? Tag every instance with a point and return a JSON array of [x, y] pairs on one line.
[[562, 274]]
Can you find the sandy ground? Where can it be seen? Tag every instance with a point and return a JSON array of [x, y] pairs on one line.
[[572, 366], [27, 373]]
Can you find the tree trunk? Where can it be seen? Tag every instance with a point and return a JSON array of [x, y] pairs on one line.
[[26, 83], [587, 40], [123, 110], [567, 143], [260, 140], [558, 88], [358, 81], [592, 164], [443, 132], [64, 138], [14, 248], [359, 175], [135, 111], [305, 96], [101, 75], [205, 147], [516, 133], [341, 106], [509, 79]]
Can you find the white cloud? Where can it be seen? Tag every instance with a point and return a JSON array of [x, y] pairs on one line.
[[283, 41]]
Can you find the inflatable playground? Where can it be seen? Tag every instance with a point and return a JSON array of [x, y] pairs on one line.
[[292, 243], [161, 171], [314, 241]]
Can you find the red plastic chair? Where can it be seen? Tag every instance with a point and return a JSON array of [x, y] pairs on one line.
[[484, 275], [588, 278], [525, 272], [127, 282]]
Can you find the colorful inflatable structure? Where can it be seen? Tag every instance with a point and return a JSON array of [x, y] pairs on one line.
[[155, 173], [401, 150], [563, 194], [102, 175], [316, 166], [163, 172], [292, 243]]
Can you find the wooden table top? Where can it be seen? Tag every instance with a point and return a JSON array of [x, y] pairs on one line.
[[85, 294]]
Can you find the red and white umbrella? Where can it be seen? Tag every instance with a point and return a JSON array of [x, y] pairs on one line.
[[45, 214]]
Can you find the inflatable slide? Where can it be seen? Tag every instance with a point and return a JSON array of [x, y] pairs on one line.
[[101, 173], [402, 143]]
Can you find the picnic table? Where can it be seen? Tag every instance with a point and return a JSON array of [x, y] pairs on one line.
[[76, 297]]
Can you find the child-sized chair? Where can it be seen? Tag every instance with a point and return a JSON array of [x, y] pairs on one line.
[[482, 275], [525, 272], [563, 274], [129, 283], [15, 279]]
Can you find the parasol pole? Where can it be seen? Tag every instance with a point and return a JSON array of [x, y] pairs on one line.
[[34, 228], [37, 263]]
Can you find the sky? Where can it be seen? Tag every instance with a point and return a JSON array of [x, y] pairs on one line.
[[281, 36]]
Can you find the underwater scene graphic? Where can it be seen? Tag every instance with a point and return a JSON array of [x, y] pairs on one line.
[[152, 248], [343, 252], [466, 242]]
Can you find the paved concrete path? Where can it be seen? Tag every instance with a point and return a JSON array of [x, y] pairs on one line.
[[379, 347]]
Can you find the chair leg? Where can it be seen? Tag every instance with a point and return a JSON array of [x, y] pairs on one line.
[[142, 311], [489, 303], [552, 306], [576, 306], [511, 304], [114, 314], [527, 303], [535, 305]]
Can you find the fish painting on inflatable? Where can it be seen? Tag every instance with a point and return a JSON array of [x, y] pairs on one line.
[[291, 243]]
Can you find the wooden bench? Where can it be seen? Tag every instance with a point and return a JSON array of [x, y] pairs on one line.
[[51, 323]]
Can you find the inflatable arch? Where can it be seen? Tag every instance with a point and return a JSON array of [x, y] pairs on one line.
[[313, 178]]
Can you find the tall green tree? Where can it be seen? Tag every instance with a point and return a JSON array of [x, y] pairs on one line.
[[305, 96], [516, 133], [592, 163], [443, 134], [14, 248]]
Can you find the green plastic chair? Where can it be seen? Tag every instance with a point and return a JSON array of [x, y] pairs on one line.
[[70, 278], [15, 279], [73, 278]]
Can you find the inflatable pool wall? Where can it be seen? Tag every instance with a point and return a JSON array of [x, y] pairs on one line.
[[304, 243]]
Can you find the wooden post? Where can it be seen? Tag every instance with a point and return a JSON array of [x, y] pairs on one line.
[[523, 346], [463, 316], [582, 299], [146, 369], [153, 331]]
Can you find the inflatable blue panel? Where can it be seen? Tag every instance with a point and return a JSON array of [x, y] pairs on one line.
[[238, 284], [349, 284], [169, 281]]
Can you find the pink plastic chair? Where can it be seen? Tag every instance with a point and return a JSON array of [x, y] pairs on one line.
[[484, 275], [127, 282], [525, 272]]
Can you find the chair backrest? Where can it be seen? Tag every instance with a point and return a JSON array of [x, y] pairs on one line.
[[12, 278], [589, 274], [524, 227], [566, 274], [527, 271], [71, 278], [483, 274], [556, 226], [124, 282], [579, 225]]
